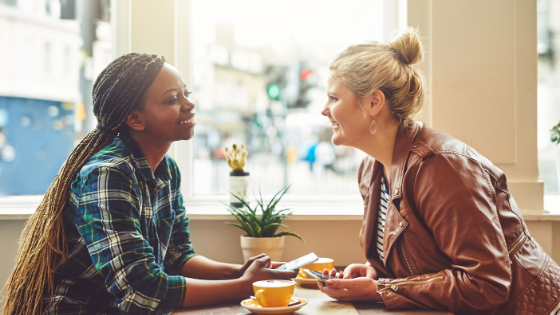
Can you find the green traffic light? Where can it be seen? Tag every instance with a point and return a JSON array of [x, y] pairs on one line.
[[273, 91]]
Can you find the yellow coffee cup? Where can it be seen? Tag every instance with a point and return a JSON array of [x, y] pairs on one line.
[[273, 293], [319, 265]]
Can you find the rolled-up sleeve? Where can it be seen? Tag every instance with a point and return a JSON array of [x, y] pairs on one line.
[[108, 220]]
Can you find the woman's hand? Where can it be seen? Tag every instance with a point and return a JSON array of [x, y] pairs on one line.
[[347, 290], [276, 264], [359, 270], [267, 262], [259, 269], [203, 292]]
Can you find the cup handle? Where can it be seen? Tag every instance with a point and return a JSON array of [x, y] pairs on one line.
[[260, 296]]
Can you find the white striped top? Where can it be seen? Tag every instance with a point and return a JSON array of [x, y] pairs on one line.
[[383, 200], [556, 310]]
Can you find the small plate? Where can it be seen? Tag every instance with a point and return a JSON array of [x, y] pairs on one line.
[[252, 306], [310, 283]]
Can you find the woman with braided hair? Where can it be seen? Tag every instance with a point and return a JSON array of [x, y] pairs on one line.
[[111, 235]]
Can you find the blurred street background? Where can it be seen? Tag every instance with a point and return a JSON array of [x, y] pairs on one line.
[[259, 75]]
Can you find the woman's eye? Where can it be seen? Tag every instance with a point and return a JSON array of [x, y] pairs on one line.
[[187, 94], [173, 101], [332, 98]]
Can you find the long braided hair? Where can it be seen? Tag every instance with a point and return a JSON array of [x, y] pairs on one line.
[[119, 89]]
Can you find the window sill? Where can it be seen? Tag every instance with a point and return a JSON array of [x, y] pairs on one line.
[[323, 208], [315, 208]]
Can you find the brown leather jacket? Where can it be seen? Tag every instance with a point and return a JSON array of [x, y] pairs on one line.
[[454, 237]]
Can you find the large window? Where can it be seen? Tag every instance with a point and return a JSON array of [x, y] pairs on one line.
[[258, 79], [39, 91], [260, 69], [548, 24], [259, 75], [51, 51]]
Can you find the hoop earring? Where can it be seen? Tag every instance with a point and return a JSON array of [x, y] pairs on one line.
[[373, 127]]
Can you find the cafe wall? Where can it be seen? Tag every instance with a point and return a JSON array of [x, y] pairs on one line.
[[218, 241]]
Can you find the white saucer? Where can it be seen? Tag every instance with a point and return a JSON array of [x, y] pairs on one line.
[[252, 306], [306, 282]]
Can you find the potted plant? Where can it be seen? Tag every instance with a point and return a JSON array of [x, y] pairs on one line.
[[261, 224], [555, 138]]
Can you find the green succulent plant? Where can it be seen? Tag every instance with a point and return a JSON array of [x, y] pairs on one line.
[[555, 134], [262, 220]]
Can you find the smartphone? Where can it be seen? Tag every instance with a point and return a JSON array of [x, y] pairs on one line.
[[319, 276], [298, 263]]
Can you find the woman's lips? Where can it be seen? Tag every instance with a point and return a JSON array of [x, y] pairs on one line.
[[187, 121]]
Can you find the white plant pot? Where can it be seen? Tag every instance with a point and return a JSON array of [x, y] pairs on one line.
[[239, 186], [253, 246]]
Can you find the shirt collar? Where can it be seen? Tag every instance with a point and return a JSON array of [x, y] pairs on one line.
[[139, 160]]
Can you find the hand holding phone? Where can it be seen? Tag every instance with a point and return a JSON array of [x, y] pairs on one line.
[[321, 276], [298, 263]]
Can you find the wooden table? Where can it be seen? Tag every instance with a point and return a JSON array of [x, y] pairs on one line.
[[312, 308]]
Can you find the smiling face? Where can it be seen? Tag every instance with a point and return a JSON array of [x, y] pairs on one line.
[[350, 124], [167, 114]]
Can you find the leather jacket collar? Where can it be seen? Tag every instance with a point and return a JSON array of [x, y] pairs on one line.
[[401, 151]]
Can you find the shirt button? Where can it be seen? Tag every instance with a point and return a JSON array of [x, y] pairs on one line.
[[415, 145], [401, 224], [396, 191]]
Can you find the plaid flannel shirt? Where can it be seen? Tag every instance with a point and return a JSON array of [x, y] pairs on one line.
[[128, 236]]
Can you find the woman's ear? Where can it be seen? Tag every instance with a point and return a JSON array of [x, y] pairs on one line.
[[135, 120], [376, 101]]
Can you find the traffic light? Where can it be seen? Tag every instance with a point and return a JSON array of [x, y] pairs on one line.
[[304, 85], [305, 74], [276, 77], [273, 91]]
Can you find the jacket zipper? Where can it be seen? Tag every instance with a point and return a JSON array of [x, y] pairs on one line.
[[517, 244], [395, 286], [404, 255]]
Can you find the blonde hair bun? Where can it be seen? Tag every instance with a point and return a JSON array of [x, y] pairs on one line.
[[408, 47], [385, 66]]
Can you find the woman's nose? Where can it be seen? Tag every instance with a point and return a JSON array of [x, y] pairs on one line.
[[188, 105], [325, 111]]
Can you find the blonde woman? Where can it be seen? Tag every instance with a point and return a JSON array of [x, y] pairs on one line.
[[441, 229]]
